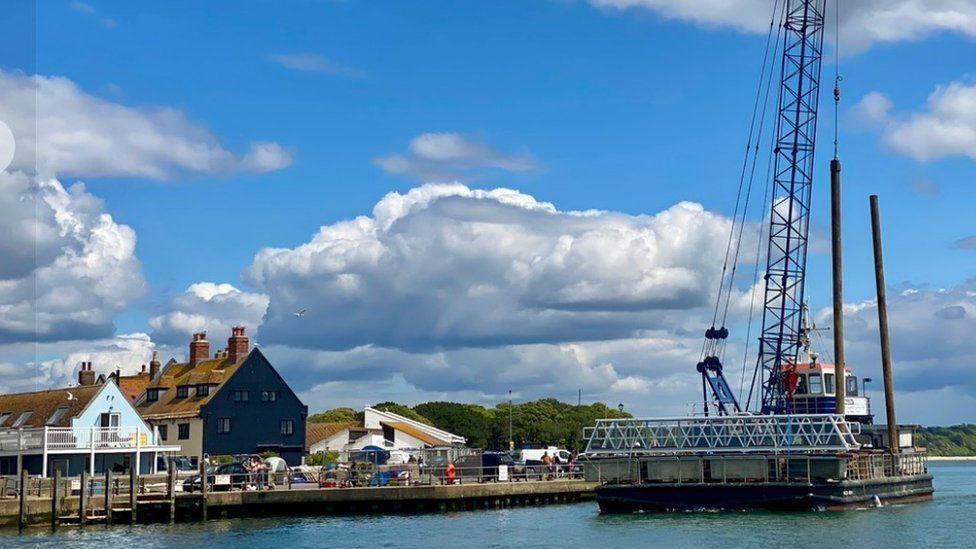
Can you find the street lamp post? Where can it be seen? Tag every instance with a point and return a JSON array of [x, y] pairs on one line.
[[511, 439]]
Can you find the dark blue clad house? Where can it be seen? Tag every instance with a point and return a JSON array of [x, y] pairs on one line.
[[232, 403]]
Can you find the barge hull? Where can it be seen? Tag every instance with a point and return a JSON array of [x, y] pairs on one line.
[[622, 498]]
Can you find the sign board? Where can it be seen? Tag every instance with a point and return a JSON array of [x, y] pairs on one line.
[[502, 473], [75, 484], [222, 479]]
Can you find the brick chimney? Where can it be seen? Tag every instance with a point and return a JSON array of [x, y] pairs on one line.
[[86, 376], [199, 348], [154, 365], [237, 344]]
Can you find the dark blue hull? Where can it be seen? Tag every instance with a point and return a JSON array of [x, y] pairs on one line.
[[624, 498]]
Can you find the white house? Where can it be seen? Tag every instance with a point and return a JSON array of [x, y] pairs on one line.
[[90, 427], [378, 428]]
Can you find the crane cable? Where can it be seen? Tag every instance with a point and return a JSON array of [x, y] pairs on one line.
[[710, 345]]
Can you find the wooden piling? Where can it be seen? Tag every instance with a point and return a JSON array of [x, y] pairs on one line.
[[55, 498], [133, 494], [879, 279], [171, 489], [83, 497], [840, 386], [203, 490], [108, 496], [22, 518]]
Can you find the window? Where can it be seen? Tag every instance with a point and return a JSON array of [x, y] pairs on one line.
[[152, 395], [223, 425], [57, 415], [109, 420], [184, 429], [203, 390], [829, 383], [816, 384], [182, 391], [801, 384], [287, 427], [851, 387], [269, 396], [22, 419], [163, 431], [241, 395], [4, 417]]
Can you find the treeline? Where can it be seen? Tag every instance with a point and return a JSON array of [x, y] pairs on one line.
[[541, 422], [957, 440]]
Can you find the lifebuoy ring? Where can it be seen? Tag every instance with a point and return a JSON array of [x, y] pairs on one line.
[[450, 473]]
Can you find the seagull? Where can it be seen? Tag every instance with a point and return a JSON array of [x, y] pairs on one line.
[[70, 396], [300, 313]]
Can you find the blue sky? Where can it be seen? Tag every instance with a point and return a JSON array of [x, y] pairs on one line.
[[625, 110]]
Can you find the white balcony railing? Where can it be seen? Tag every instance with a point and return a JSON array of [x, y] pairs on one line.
[[74, 438]]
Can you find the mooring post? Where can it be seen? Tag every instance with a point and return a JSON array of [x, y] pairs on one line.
[[22, 519], [889, 384], [108, 496], [171, 489], [55, 497], [203, 490], [840, 386], [133, 493], [83, 497]]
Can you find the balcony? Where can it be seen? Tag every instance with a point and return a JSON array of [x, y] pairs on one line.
[[75, 439]]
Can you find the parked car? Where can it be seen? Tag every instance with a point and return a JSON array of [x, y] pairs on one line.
[[238, 476]]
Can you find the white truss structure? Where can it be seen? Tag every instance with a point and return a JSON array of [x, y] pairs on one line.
[[722, 434]]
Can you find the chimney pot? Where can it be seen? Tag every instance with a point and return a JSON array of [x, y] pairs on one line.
[[86, 376]]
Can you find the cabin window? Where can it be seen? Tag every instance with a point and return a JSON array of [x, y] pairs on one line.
[[182, 391], [184, 431], [816, 384], [801, 384], [241, 395], [163, 431], [829, 383], [851, 386], [4, 417], [57, 415], [22, 419], [223, 425], [287, 426], [203, 390], [269, 396]]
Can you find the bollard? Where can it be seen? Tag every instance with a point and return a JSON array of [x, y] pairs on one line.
[[83, 497], [108, 496], [133, 494], [55, 498], [22, 520]]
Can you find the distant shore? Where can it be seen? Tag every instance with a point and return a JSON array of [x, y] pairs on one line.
[[952, 458]]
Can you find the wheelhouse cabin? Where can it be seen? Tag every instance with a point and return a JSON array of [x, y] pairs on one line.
[[814, 392]]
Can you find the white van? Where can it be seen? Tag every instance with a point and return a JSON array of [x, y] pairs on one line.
[[533, 456]]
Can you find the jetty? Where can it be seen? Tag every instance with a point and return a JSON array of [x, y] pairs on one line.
[[61, 502]]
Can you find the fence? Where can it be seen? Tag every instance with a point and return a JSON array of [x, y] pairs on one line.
[[734, 434], [70, 438]]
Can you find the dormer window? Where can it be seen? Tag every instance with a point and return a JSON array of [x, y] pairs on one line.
[[203, 390], [182, 391], [152, 395]]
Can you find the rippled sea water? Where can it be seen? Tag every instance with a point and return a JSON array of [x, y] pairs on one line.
[[948, 521]]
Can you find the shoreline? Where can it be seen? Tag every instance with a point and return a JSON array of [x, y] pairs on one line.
[[952, 458]]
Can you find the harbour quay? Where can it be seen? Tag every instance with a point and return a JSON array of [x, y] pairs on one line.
[[52, 502]]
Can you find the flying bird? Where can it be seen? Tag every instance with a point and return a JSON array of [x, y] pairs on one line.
[[70, 396], [300, 313]]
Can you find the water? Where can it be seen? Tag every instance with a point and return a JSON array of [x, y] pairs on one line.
[[948, 521]]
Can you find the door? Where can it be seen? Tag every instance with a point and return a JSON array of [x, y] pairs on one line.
[[109, 423]]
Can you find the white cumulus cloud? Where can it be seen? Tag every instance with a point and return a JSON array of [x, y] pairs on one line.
[[210, 307], [446, 156], [61, 130]]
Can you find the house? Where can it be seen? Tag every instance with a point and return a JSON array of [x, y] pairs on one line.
[[90, 427], [379, 428], [232, 403]]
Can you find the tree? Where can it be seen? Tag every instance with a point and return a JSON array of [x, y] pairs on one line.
[[336, 415]]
